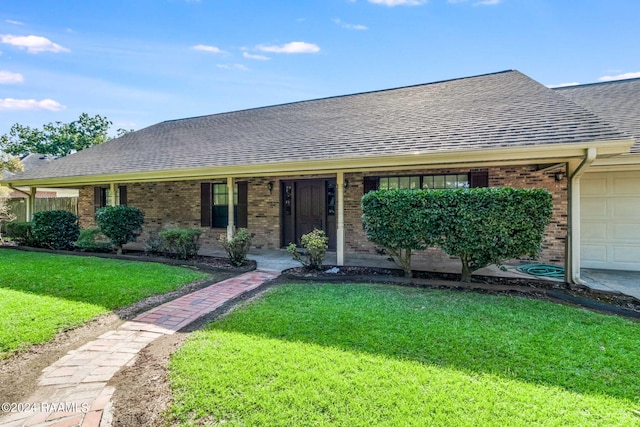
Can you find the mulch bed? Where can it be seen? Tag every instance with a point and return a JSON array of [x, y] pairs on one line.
[[552, 290]]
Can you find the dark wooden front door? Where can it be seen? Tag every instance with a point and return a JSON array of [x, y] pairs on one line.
[[308, 204]]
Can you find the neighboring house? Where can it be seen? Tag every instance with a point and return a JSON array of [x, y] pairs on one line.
[[29, 162], [283, 170], [610, 190]]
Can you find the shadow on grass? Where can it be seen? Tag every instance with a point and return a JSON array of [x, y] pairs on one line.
[[522, 339]]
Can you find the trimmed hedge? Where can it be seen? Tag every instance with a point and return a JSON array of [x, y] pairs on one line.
[[55, 229], [19, 231], [238, 246], [482, 226], [181, 242], [121, 224]]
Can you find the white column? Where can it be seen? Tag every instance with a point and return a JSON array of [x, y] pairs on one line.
[[31, 202], [231, 229], [340, 209], [112, 194]]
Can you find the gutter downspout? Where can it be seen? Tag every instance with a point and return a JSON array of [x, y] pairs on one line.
[[572, 274]]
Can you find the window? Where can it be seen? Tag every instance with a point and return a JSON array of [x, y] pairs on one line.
[[102, 195], [427, 182], [215, 205]]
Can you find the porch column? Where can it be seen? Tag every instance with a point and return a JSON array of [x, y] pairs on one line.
[[112, 194], [340, 209], [31, 203], [231, 228]]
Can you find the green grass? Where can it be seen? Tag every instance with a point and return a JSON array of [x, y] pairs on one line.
[[363, 355], [42, 294]]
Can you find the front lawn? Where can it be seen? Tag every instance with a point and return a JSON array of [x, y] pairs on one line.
[[42, 294], [364, 355]]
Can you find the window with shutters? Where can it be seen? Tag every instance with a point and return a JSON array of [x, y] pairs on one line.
[[215, 205], [102, 195]]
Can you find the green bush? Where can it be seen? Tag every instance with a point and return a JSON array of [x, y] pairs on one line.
[[121, 224], [19, 231], [401, 221], [238, 246], [154, 244], [481, 226], [183, 243], [486, 226], [315, 244], [93, 240], [55, 229]]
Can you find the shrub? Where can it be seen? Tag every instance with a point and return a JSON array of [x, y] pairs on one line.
[[93, 240], [19, 231], [5, 215], [181, 242], [238, 246], [55, 229], [153, 244], [121, 224], [315, 244], [486, 226], [401, 221]]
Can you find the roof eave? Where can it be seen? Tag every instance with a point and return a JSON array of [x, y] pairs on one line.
[[529, 154]]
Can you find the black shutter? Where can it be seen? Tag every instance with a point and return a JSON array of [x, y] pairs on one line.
[[205, 204], [479, 179], [370, 183], [97, 199], [243, 205], [123, 195]]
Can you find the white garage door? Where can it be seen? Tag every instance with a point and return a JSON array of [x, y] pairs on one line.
[[610, 223]]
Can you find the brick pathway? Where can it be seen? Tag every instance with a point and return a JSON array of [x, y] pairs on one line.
[[74, 391]]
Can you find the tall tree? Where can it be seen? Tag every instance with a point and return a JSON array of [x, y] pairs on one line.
[[57, 139], [9, 163]]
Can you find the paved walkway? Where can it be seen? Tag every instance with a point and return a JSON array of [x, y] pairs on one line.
[[74, 391]]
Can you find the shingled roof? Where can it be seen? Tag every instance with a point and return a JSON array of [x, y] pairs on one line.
[[505, 109], [618, 102]]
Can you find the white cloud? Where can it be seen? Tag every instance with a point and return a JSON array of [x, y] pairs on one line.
[[350, 26], [256, 57], [11, 21], [563, 85], [30, 104], [238, 67], [206, 48], [32, 44], [293, 47], [620, 77], [487, 2], [7, 77], [392, 3]]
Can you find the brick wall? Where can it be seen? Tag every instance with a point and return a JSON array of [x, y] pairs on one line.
[[177, 204]]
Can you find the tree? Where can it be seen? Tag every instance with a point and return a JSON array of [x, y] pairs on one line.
[[58, 139], [9, 163], [121, 224], [400, 222], [486, 226], [5, 210]]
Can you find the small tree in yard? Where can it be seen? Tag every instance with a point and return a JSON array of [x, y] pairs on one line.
[[5, 213], [121, 224], [486, 226], [400, 221]]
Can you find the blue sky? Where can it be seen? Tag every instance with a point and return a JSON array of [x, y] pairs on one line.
[[139, 62]]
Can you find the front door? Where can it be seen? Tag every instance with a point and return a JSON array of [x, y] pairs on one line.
[[308, 204]]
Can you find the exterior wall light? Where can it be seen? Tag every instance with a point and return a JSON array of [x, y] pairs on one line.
[[270, 186], [559, 176]]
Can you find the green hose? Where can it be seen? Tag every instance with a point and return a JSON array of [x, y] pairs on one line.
[[542, 270]]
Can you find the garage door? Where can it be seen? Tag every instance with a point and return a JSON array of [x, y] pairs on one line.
[[610, 223]]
